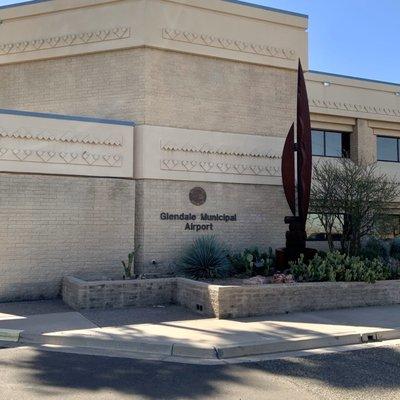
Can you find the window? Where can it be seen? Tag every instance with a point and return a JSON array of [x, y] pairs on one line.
[[387, 149], [316, 232], [388, 226], [330, 144]]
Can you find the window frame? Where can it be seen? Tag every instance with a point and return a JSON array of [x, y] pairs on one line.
[[345, 141], [397, 147]]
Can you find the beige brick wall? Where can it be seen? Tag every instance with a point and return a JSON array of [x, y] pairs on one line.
[[260, 212], [60, 226], [109, 85], [189, 91], [54, 226], [157, 88]]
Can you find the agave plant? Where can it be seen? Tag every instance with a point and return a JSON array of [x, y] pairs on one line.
[[205, 258]]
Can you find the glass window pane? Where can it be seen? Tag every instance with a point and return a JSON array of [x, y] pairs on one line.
[[387, 149], [315, 230], [388, 226], [333, 144], [317, 143]]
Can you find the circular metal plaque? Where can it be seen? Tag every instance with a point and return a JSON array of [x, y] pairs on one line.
[[197, 196]]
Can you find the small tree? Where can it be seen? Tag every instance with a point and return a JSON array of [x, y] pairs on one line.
[[353, 196]]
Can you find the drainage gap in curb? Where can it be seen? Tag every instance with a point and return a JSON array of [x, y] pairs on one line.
[[217, 353], [370, 337]]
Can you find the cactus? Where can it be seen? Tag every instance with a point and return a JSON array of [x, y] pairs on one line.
[[129, 267], [252, 262]]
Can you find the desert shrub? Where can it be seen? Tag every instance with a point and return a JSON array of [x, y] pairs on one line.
[[205, 258], [395, 248], [252, 262], [375, 248], [337, 267]]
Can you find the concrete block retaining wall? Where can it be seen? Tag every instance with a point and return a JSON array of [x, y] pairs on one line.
[[81, 295], [242, 301], [228, 301]]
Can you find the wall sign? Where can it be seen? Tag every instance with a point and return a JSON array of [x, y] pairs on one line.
[[198, 222], [197, 196]]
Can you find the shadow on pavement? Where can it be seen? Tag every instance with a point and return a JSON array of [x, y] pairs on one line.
[[364, 370], [146, 379]]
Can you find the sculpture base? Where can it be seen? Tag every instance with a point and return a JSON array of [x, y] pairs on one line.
[[285, 255]]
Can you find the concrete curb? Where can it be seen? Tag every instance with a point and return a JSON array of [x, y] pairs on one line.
[[182, 350], [9, 335], [159, 348], [284, 346]]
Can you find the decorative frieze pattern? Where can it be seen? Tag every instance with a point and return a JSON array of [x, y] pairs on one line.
[[224, 151], [220, 160], [54, 157], [337, 105], [64, 138], [72, 39], [204, 39], [219, 167]]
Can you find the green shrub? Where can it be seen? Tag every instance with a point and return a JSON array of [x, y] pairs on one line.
[[375, 248], [205, 258], [394, 268], [337, 267], [252, 262], [395, 248]]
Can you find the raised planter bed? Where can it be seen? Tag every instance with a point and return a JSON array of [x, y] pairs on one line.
[[228, 301]]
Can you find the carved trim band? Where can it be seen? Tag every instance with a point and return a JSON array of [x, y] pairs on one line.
[[224, 168], [228, 44], [338, 105], [67, 40], [65, 138], [56, 157], [208, 149]]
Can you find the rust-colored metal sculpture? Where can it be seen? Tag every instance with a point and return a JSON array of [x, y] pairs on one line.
[[296, 236]]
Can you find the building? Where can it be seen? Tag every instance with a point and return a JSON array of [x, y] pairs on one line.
[[189, 104]]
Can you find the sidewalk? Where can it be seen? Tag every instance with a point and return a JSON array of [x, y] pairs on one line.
[[168, 332]]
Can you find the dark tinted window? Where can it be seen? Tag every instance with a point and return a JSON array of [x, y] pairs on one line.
[[330, 144], [316, 232], [387, 149], [318, 147], [333, 144]]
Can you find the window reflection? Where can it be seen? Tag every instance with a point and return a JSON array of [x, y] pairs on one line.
[[330, 144], [316, 232], [318, 143], [333, 144], [387, 149]]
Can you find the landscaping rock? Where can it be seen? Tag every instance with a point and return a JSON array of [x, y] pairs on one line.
[[282, 278], [255, 280]]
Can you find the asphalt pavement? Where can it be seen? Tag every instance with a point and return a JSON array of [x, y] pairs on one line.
[[370, 374]]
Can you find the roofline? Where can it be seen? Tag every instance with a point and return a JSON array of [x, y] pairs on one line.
[[67, 117], [354, 77], [277, 10], [240, 2], [24, 3]]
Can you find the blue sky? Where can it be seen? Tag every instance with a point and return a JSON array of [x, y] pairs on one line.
[[350, 37]]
